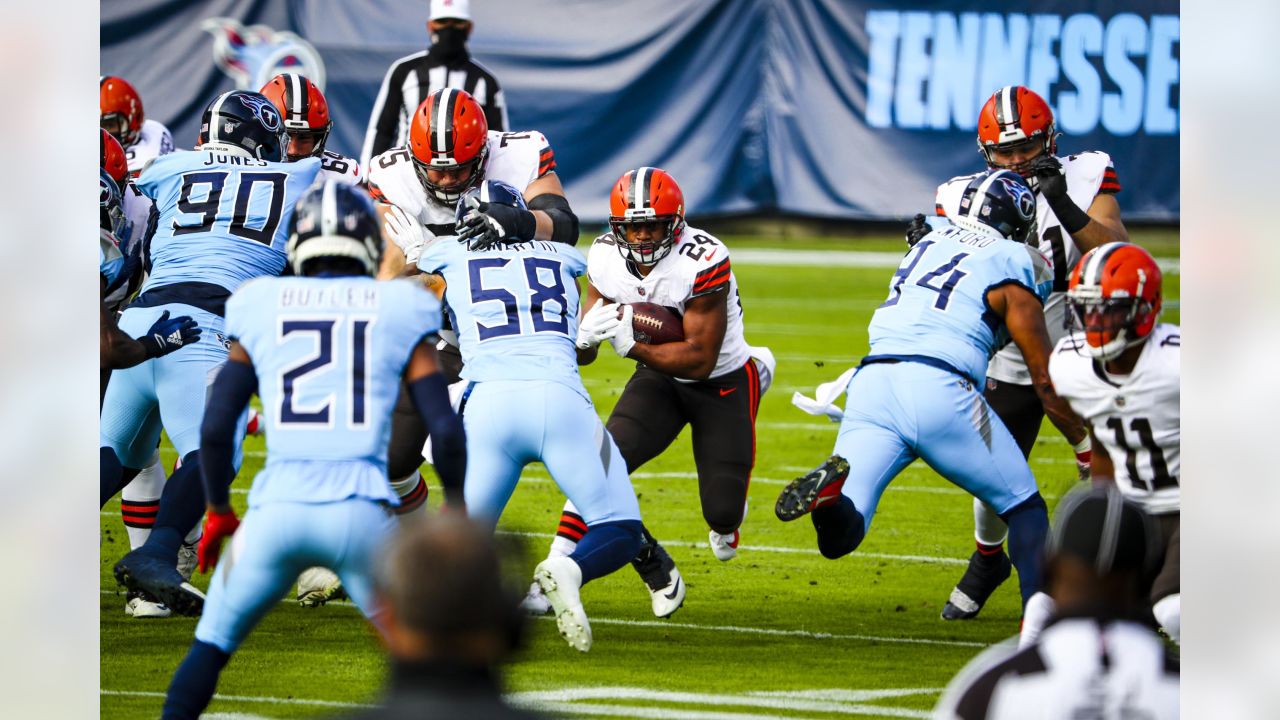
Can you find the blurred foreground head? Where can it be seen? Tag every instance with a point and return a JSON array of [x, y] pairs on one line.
[[444, 586], [1101, 554]]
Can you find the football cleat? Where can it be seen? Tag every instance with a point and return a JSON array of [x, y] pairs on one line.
[[560, 579], [812, 491], [188, 558], [141, 571], [658, 570], [317, 586], [142, 606], [725, 547], [254, 425], [535, 603], [981, 578]]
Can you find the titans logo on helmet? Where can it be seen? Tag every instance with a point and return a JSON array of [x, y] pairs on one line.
[[1025, 199], [265, 111]]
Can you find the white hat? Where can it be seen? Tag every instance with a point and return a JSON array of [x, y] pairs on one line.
[[442, 9]]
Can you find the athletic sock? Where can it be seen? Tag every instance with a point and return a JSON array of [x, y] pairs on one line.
[[840, 527], [140, 501], [608, 546], [1028, 526], [413, 493], [1168, 612], [181, 507], [194, 682]]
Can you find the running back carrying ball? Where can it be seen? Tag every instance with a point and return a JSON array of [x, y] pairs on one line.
[[655, 324]]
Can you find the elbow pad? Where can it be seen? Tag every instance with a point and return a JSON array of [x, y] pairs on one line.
[[564, 224]]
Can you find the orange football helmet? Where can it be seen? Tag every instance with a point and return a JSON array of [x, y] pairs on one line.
[[1015, 117], [305, 113], [114, 160], [643, 196], [1115, 295], [449, 137], [121, 109]]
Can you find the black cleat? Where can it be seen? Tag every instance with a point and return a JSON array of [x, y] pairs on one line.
[[812, 491], [981, 578], [143, 572]]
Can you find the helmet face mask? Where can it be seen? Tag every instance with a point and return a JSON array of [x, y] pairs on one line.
[[1115, 298], [120, 109], [449, 144], [305, 112], [334, 222], [644, 240], [111, 215]]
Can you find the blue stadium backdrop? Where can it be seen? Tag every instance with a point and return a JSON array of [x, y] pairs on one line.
[[826, 108]]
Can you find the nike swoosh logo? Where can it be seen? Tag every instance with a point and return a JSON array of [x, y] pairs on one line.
[[675, 592], [726, 391], [823, 499], [710, 254]]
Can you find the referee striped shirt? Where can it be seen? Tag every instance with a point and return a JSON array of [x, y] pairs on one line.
[[409, 81], [1080, 667]]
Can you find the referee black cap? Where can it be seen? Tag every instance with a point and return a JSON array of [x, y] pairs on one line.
[[1099, 526]]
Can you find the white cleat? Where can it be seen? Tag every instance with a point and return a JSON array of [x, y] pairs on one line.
[[560, 579], [725, 547], [317, 586], [535, 603], [142, 607], [668, 599]]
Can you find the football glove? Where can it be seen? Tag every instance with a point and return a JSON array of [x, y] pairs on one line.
[[623, 338], [1050, 179], [406, 232], [218, 526], [917, 229], [487, 223], [598, 325], [1084, 459], [169, 334]]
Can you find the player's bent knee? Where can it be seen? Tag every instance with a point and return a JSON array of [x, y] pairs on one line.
[[1031, 504]]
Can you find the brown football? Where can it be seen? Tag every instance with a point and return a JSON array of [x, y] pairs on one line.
[[656, 324]]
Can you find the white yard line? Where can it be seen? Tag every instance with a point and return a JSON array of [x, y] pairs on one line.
[[775, 257], [250, 699]]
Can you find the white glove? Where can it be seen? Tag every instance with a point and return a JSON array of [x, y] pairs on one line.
[[406, 232], [623, 338], [598, 325]]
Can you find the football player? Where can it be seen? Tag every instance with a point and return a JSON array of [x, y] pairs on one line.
[[142, 138], [1122, 374], [326, 351], [960, 293], [1077, 211], [516, 306], [709, 381], [307, 124], [223, 213], [140, 499]]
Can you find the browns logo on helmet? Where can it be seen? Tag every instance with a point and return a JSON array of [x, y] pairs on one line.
[[1115, 295], [121, 109], [449, 143], [646, 213], [305, 112]]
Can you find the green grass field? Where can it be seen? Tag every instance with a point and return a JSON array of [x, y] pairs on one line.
[[777, 632]]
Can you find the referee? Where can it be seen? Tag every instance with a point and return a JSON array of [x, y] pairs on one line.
[[1094, 659], [409, 81]]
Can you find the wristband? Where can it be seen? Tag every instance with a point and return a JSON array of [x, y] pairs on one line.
[[1073, 219]]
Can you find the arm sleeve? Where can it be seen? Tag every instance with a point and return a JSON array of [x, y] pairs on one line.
[[228, 396]]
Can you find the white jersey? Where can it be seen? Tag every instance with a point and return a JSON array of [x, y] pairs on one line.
[[1136, 418], [514, 158], [153, 141], [137, 210], [697, 265], [338, 168], [1088, 174]]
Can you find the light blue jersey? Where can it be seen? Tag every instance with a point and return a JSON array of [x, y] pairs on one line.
[[222, 219], [110, 261], [515, 308], [937, 304], [329, 354]]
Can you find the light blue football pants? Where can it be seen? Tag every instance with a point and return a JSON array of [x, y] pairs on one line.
[[513, 423], [166, 392], [898, 412], [277, 541]]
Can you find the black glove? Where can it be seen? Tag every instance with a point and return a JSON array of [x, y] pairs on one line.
[[487, 223], [169, 334], [917, 229], [1047, 170]]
